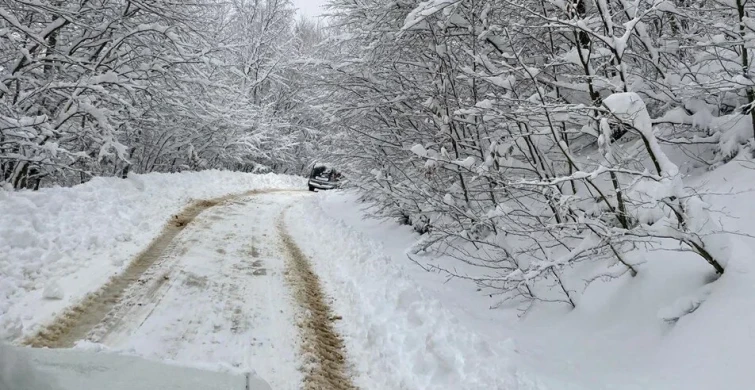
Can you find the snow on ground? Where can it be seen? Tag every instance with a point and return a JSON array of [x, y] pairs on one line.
[[225, 302], [69, 241], [618, 333], [18, 372], [226, 305], [398, 334], [615, 339], [712, 347]]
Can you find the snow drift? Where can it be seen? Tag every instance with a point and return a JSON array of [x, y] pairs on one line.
[[401, 336]]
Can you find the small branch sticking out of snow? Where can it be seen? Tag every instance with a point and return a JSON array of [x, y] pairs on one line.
[[685, 305]]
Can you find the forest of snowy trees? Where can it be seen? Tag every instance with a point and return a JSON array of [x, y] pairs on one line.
[[101, 87], [528, 138], [525, 138]]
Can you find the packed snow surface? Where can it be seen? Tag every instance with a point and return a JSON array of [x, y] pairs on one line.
[[220, 297], [61, 243]]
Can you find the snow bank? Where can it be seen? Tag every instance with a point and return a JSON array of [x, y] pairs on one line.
[[17, 372], [76, 369], [398, 335], [673, 326], [71, 240]]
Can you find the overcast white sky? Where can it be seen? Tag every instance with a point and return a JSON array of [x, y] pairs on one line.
[[309, 8]]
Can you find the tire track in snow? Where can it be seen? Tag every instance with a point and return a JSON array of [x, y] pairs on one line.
[[77, 321], [323, 348]]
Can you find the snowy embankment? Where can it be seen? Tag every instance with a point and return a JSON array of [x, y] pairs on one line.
[[667, 328], [397, 334], [58, 244]]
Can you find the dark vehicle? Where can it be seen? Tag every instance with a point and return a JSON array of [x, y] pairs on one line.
[[324, 177]]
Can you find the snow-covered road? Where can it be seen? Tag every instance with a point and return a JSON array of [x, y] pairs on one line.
[[303, 291], [226, 290], [267, 282], [219, 296]]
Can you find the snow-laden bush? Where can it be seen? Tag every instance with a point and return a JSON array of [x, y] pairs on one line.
[[541, 141]]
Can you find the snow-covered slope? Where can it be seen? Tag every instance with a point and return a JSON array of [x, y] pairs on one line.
[[400, 334], [618, 337], [57, 244]]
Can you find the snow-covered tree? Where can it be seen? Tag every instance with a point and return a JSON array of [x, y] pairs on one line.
[[528, 138], [104, 88]]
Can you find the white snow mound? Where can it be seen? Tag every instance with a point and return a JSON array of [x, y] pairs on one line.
[[53, 291]]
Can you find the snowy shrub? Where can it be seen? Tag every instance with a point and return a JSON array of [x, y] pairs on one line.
[[539, 139]]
